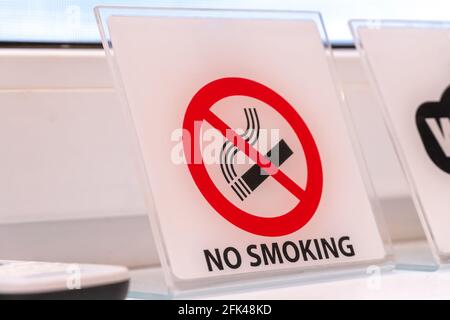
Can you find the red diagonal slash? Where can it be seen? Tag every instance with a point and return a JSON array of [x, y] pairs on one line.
[[261, 160]]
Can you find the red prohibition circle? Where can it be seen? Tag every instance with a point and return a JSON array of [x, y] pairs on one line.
[[198, 111]]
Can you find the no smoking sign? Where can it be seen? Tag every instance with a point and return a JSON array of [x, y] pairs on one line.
[[272, 181], [267, 166]]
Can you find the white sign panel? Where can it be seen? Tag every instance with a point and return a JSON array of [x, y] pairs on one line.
[[244, 144], [411, 66]]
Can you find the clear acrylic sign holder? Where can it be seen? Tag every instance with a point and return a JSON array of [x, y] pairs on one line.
[[160, 58], [408, 65]]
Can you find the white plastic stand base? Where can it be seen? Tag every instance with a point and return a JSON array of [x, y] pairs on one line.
[[414, 256], [399, 284], [149, 284]]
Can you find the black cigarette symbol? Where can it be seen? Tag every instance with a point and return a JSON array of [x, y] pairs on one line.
[[244, 185], [256, 175]]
